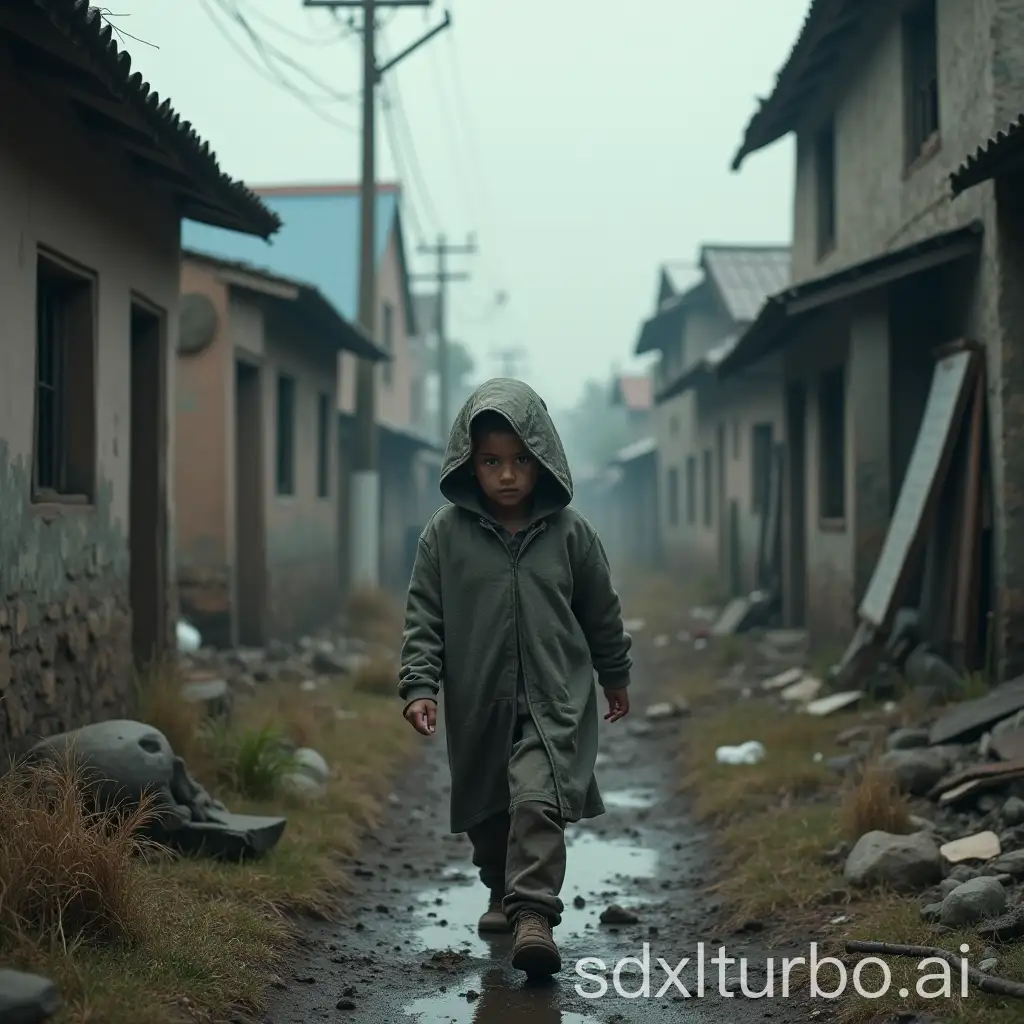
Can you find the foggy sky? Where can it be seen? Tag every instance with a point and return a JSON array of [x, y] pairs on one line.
[[583, 142]]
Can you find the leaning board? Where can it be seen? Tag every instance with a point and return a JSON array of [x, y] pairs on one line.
[[947, 400]]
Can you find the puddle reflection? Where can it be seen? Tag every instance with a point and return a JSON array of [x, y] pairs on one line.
[[497, 1002]]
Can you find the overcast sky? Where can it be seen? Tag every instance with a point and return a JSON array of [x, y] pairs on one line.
[[584, 142]]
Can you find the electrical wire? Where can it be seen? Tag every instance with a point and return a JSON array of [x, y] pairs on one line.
[[398, 157], [269, 71], [347, 29]]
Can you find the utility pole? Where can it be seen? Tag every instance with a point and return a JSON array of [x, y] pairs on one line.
[[364, 516], [442, 276], [509, 359]]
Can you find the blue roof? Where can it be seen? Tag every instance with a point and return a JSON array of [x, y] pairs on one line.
[[318, 244]]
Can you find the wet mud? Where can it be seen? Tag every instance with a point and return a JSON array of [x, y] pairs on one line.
[[408, 947]]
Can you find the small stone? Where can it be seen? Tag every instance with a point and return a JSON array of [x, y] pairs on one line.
[[931, 912], [472, 996], [1013, 811], [345, 1004], [988, 964], [907, 739], [277, 982], [1011, 863], [26, 998], [904, 863], [579, 902], [916, 771], [1005, 928], [615, 914], [666, 710], [979, 899]]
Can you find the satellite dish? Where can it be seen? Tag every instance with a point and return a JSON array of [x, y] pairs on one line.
[[197, 323]]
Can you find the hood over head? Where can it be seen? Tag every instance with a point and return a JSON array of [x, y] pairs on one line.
[[529, 418]]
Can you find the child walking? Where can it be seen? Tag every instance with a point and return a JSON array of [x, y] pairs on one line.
[[511, 608]]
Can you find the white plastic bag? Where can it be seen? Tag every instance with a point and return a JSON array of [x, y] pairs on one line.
[[189, 638], [751, 752]]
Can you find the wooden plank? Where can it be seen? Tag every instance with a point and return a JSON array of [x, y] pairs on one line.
[[928, 463], [968, 721]]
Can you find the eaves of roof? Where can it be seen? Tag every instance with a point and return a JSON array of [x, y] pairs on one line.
[[1001, 155], [69, 43]]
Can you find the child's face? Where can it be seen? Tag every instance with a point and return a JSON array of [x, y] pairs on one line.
[[506, 470]]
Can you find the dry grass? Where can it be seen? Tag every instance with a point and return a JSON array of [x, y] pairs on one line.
[[788, 773], [377, 675], [899, 920], [161, 706], [374, 616], [170, 939], [874, 802], [68, 871]]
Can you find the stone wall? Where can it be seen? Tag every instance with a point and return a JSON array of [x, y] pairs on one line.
[[65, 622]]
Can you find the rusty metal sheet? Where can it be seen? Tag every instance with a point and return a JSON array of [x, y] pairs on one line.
[[947, 400], [968, 721]]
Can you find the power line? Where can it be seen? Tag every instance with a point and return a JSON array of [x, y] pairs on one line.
[[397, 156], [347, 29], [268, 71]]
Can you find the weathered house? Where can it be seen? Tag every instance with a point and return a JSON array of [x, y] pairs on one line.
[[634, 394], [884, 100], [319, 244], [714, 439], [258, 472], [96, 172]]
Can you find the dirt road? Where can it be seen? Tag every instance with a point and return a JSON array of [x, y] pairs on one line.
[[409, 949]]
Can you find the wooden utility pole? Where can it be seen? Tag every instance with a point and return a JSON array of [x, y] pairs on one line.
[[364, 517], [442, 276]]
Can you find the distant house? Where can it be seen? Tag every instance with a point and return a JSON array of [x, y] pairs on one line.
[[258, 475], [884, 102], [319, 244], [634, 393], [95, 175], [714, 442]]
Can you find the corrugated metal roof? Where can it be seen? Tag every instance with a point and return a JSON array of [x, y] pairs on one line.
[[1001, 154], [746, 275], [318, 243], [224, 200], [817, 55]]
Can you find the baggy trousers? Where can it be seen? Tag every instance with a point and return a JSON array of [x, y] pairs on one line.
[[520, 853]]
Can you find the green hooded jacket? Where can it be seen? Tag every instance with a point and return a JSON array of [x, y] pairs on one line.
[[478, 618]]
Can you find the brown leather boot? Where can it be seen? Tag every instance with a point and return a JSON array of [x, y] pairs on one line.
[[534, 949], [493, 919]]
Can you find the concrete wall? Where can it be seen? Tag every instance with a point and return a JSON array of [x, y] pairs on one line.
[[882, 205], [65, 620], [301, 528], [300, 557]]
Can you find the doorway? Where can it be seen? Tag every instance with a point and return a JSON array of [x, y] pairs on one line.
[[250, 561], [147, 467], [794, 572]]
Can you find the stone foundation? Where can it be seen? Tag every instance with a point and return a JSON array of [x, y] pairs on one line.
[[64, 664]]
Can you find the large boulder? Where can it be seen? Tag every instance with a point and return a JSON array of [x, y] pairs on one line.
[[916, 771], [980, 899], [907, 863]]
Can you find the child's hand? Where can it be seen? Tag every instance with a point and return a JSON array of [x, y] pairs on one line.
[[422, 716], [618, 704]]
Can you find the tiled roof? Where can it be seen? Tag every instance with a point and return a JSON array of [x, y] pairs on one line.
[[635, 392], [1001, 154], [309, 300], [206, 193], [746, 275]]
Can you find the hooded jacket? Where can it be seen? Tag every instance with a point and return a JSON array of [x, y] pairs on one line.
[[478, 618]]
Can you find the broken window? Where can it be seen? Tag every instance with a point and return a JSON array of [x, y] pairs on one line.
[[832, 445], [762, 439], [285, 434], [691, 489], [388, 340], [921, 76], [65, 393], [706, 486], [825, 188], [323, 445], [673, 496]]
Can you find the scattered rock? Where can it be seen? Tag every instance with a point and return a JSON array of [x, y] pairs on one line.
[[1011, 863], [1013, 811], [905, 863], [916, 771], [979, 899], [963, 873], [615, 914], [907, 739], [988, 964], [579, 902], [1006, 928], [982, 846], [920, 824], [345, 1004], [947, 885], [666, 710], [310, 762], [26, 998], [931, 912]]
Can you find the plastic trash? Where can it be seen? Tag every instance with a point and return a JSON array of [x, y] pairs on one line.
[[189, 638], [751, 752]]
